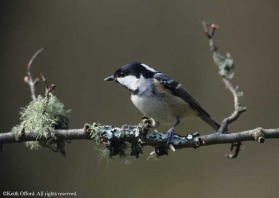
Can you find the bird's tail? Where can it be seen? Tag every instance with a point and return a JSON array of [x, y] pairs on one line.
[[210, 122]]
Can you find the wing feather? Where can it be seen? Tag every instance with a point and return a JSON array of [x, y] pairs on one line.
[[178, 90]]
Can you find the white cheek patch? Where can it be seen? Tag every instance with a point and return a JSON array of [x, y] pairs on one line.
[[131, 82], [148, 68]]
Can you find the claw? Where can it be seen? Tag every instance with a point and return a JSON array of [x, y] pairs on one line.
[[170, 134]]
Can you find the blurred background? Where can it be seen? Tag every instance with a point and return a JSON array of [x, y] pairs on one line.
[[85, 41]]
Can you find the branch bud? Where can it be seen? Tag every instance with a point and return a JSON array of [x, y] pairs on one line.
[[26, 79]]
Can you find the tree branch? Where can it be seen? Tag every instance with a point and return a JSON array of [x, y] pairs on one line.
[[28, 79], [238, 110], [110, 133], [226, 67], [226, 70]]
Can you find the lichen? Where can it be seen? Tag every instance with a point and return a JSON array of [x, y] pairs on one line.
[[95, 133], [42, 116], [225, 64]]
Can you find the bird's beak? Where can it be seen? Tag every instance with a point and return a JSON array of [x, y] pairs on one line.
[[110, 78]]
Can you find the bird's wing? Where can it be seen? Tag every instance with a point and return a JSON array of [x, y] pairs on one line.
[[178, 90]]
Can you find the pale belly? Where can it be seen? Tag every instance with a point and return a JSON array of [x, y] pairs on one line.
[[165, 113]]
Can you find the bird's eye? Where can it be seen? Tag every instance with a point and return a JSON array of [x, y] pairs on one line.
[[121, 73]]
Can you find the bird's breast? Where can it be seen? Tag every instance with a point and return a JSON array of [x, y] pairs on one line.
[[164, 108]]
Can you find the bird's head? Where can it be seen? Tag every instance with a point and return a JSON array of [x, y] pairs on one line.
[[132, 75]]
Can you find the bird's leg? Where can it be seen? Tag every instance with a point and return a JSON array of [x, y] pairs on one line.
[[170, 135], [170, 132]]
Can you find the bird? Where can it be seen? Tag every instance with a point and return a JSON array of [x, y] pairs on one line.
[[159, 97]]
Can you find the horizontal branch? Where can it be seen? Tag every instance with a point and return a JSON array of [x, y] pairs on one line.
[[155, 139]]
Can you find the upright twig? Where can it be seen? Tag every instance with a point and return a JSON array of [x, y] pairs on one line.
[[238, 109], [28, 79], [49, 89], [226, 67]]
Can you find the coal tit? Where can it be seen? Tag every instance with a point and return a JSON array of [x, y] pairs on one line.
[[159, 97]]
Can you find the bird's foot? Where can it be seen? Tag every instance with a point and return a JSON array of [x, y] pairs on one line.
[[153, 123], [170, 134]]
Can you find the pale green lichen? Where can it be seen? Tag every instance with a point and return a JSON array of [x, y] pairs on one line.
[[114, 139], [33, 145], [43, 116], [94, 130], [225, 64], [104, 154]]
